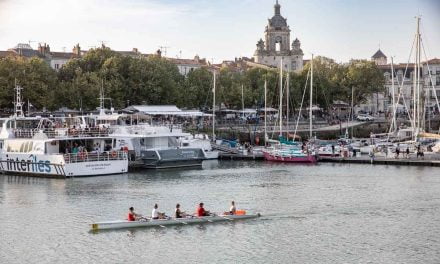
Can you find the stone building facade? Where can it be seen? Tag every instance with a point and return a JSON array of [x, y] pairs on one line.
[[277, 46]]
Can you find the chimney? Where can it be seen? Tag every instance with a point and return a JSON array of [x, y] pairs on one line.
[[77, 50], [135, 50], [43, 49]]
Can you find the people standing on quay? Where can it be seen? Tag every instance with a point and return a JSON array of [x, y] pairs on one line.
[[407, 152], [397, 151], [419, 152]]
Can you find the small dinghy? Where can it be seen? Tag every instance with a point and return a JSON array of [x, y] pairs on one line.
[[121, 224]]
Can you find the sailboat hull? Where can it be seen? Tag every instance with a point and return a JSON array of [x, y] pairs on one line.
[[289, 159]]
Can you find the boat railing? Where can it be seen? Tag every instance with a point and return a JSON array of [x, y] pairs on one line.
[[62, 132], [95, 156]]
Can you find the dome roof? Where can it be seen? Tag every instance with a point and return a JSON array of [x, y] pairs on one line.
[[277, 21]]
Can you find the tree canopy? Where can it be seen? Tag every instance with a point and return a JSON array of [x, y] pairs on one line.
[[155, 80]]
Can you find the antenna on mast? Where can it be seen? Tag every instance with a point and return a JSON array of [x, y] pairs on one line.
[[18, 101], [102, 99], [163, 50]]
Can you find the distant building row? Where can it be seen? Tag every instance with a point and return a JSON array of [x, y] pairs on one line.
[[403, 84]]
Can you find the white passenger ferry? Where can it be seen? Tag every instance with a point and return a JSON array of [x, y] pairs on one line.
[[42, 147]]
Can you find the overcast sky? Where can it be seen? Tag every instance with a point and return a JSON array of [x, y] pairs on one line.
[[222, 29]]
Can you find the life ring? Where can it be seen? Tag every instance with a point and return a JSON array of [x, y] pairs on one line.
[[114, 154]]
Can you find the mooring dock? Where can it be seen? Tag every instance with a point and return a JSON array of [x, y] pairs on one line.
[[384, 161]]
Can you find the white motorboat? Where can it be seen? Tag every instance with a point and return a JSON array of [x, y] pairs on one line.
[[122, 224], [199, 141]]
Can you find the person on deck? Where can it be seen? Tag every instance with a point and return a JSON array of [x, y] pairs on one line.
[[132, 216], [75, 148], [201, 211]]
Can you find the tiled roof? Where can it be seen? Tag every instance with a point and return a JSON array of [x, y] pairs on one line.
[[185, 61], [63, 55], [6, 53], [433, 61], [25, 52], [396, 66], [129, 53]]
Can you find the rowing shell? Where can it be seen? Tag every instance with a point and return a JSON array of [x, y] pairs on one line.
[[120, 224]]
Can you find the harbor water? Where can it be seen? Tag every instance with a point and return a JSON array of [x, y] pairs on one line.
[[325, 213]]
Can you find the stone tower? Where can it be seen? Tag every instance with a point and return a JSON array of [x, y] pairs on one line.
[[276, 45]]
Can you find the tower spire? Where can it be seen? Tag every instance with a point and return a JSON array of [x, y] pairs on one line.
[[277, 8]]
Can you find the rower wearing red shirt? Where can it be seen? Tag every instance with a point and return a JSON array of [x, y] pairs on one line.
[[132, 216], [201, 211]]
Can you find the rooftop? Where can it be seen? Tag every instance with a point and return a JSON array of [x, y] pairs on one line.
[[379, 54]]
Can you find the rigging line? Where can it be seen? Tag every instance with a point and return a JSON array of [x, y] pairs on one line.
[[430, 78], [209, 91], [277, 117], [302, 101], [400, 85]]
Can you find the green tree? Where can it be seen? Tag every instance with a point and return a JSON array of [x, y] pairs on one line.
[[197, 89], [34, 75]]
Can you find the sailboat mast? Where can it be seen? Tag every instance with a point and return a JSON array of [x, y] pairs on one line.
[[420, 107], [242, 99], [265, 112], [393, 122], [311, 98], [352, 111], [281, 98], [213, 108], [416, 97], [287, 101]]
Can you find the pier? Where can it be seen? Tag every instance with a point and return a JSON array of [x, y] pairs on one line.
[[238, 156], [383, 161]]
